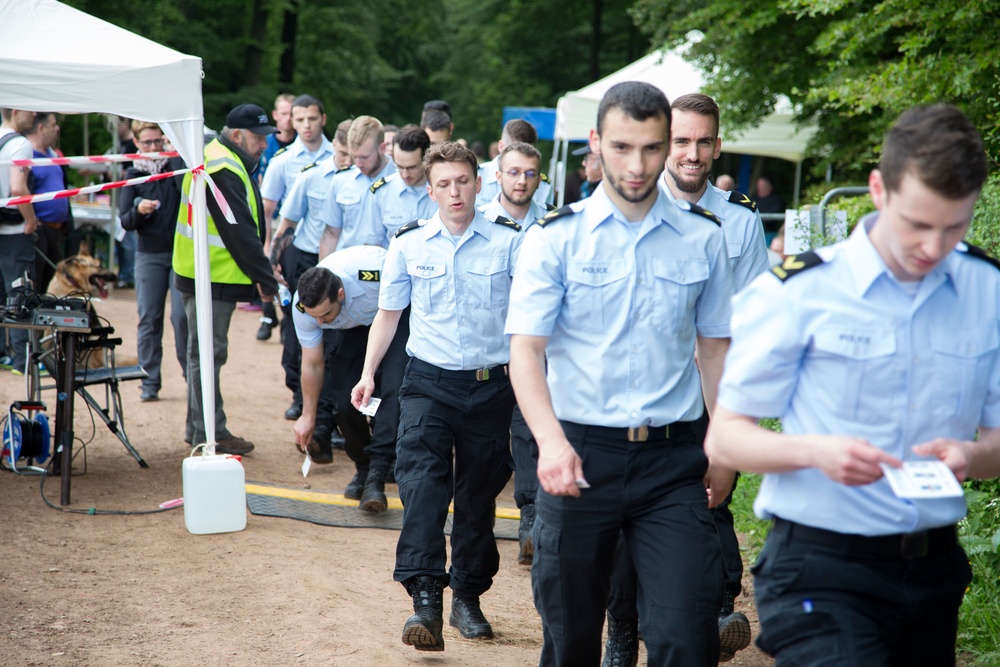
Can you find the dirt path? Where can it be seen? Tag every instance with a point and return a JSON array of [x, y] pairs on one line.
[[80, 590]]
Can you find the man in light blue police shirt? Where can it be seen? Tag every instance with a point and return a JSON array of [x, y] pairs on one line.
[[615, 290], [694, 145], [401, 197], [880, 351], [349, 188], [514, 131], [334, 308], [454, 270]]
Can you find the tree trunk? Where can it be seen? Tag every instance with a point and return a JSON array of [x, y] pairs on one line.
[[290, 27], [595, 41], [255, 45]]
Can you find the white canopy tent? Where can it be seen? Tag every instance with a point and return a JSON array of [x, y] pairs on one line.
[[56, 58], [776, 136]]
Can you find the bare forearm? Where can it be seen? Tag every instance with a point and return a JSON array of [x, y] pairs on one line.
[[328, 242], [736, 441], [711, 355], [312, 380], [985, 454], [379, 338], [527, 375]]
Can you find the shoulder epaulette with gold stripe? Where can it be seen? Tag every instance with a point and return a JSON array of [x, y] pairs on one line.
[[685, 205], [309, 166], [544, 177], [507, 222], [343, 169], [408, 227], [795, 264], [554, 215], [279, 151], [737, 197], [377, 184]]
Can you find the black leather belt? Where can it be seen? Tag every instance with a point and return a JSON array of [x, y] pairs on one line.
[[642, 433], [479, 374], [906, 546]]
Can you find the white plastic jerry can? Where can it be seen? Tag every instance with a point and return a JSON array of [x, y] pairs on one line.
[[215, 496]]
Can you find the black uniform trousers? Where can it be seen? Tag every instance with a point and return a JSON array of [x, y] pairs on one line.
[[832, 599], [524, 450], [653, 491], [294, 263], [454, 441], [345, 360]]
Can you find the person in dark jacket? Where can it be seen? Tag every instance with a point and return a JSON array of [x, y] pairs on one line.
[[236, 257], [150, 209]]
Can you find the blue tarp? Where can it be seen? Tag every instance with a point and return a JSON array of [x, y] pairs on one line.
[[542, 118]]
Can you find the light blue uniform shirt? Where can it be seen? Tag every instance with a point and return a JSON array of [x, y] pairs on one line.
[[283, 169], [459, 290], [343, 208], [495, 209], [743, 229], [621, 303], [391, 206], [842, 349], [357, 268], [305, 202], [544, 195]]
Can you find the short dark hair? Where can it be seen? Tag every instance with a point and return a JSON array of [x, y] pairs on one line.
[[307, 101], [698, 103], [636, 99], [436, 120], [940, 146], [518, 130], [316, 284], [411, 138], [523, 148], [340, 136], [390, 128], [41, 117], [438, 105], [450, 151]]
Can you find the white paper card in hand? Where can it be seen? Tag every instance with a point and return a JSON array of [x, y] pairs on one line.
[[306, 465], [369, 410], [922, 480]]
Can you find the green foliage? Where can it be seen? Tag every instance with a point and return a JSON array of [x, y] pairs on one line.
[[979, 619], [850, 65], [985, 229]]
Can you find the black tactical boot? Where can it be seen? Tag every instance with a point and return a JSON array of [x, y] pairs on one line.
[[622, 647], [423, 630], [467, 616], [734, 629], [357, 484], [373, 499], [527, 551]]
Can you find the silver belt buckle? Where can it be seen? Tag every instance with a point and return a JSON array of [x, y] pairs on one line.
[[638, 434], [482, 374]]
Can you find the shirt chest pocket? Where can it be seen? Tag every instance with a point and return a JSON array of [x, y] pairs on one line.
[[429, 285], [678, 284], [348, 198], [962, 360], [488, 282], [595, 292], [859, 371]]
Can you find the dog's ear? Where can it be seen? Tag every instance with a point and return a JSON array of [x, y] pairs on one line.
[[84, 249]]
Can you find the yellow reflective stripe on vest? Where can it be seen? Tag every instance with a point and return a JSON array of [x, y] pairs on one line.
[[224, 268]]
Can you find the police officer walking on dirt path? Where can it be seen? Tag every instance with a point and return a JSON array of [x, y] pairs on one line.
[[880, 354], [614, 291]]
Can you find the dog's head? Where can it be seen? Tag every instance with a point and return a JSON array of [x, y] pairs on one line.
[[86, 274]]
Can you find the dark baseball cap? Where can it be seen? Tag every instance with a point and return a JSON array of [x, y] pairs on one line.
[[249, 117]]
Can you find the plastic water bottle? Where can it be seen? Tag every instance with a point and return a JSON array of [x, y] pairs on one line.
[[284, 296]]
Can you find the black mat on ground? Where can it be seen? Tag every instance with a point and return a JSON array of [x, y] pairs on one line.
[[326, 514]]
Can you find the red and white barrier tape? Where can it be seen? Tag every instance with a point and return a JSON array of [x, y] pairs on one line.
[[61, 194], [87, 159]]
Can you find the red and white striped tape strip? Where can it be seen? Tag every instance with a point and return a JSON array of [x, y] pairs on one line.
[[61, 194], [87, 159]]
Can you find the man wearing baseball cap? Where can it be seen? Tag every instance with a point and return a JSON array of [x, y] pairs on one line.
[[236, 257]]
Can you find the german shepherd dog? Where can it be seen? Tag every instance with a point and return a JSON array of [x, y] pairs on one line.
[[82, 275]]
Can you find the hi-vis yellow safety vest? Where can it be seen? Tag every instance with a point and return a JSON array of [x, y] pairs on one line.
[[223, 267]]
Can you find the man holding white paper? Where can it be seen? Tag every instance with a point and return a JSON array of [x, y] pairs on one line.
[[333, 310], [880, 352]]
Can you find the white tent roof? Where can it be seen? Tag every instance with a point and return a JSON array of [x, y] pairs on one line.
[[56, 58], [776, 136]]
